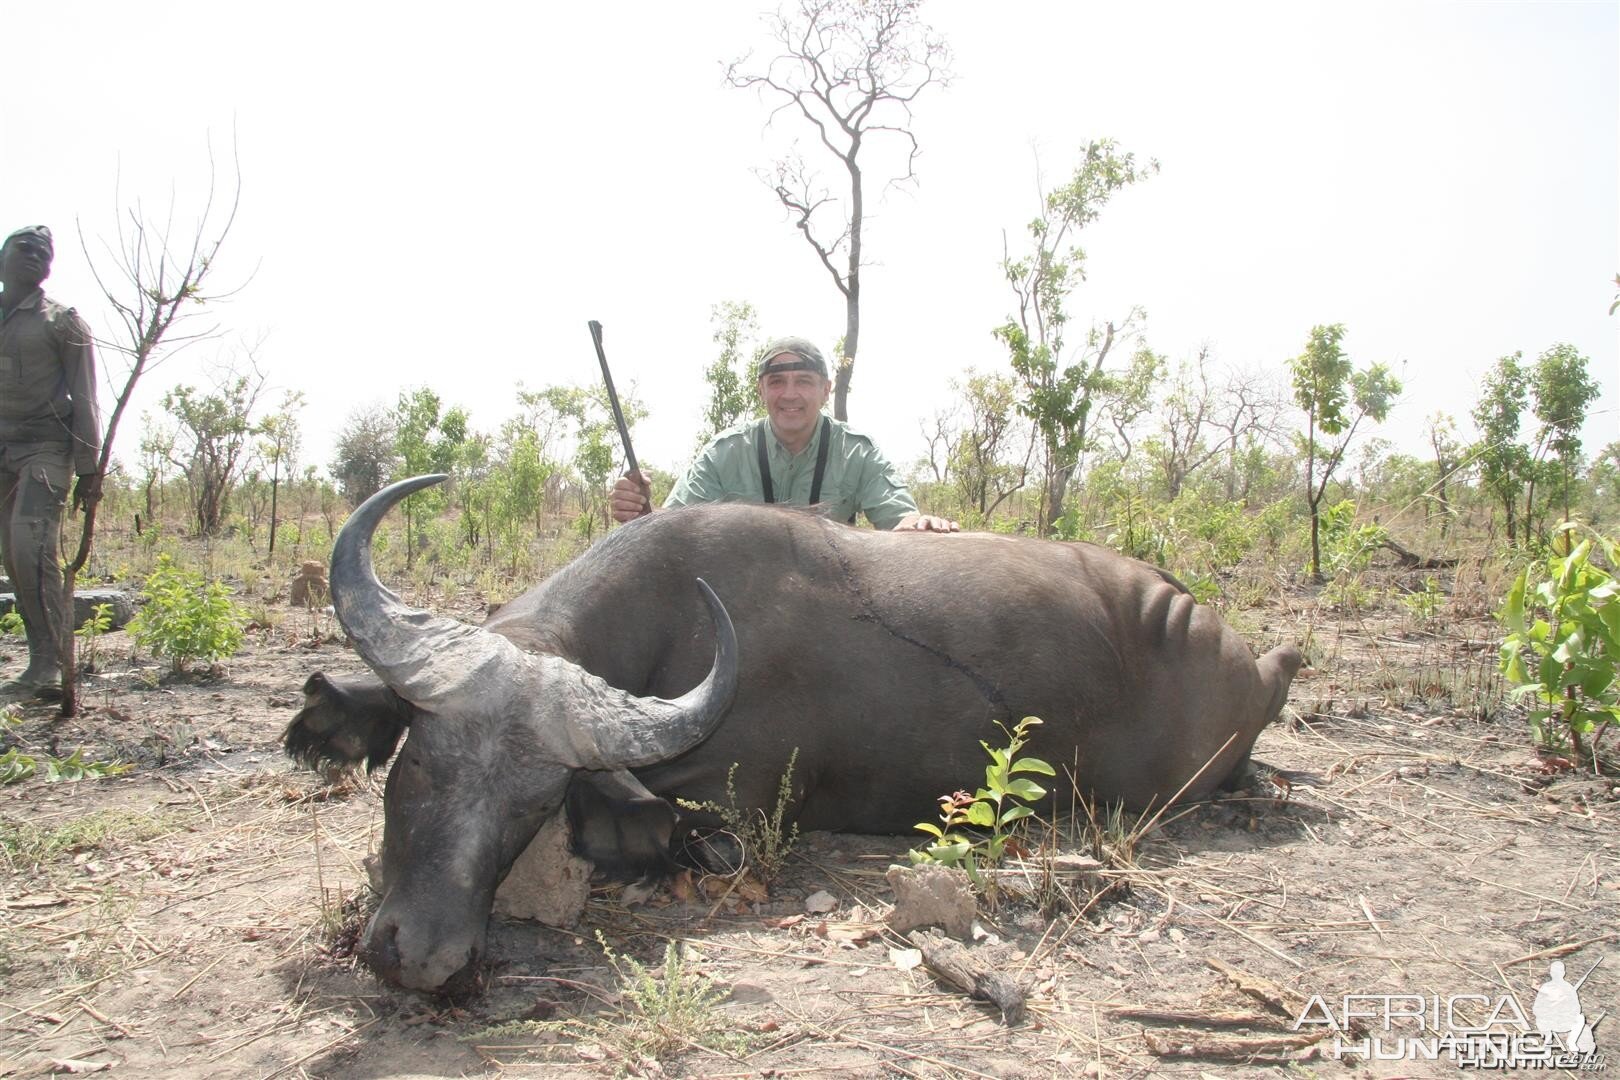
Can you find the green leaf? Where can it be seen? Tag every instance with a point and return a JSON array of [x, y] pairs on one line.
[[1512, 613], [15, 766], [929, 827], [982, 814], [1015, 813], [1573, 645], [1028, 790], [1034, 765]]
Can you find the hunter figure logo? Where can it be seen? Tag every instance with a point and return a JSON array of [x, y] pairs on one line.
[[1558, 1013], [1473, 1031]]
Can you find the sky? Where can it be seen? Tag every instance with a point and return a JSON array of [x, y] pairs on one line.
[[443, 196]]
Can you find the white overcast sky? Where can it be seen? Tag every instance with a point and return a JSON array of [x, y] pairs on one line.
[[442, 195]]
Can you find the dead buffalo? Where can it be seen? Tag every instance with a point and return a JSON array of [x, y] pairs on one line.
[[883, 658]]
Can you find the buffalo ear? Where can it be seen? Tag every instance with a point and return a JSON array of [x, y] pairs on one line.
[[620, 826], [345, 721]]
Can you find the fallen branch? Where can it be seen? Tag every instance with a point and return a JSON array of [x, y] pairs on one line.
[[1185, 1043], [1283, 1002], [1413, 561], [954, 964], [1188, 1016]]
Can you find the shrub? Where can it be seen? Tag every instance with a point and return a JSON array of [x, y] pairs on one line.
[[1563, 641], [185, 619], [765, 843]]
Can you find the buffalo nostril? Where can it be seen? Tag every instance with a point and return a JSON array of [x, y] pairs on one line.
[[381, 949]]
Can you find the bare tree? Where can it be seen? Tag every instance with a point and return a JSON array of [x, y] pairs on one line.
[[1243, 404], [941, 432], [850, 69], [156, 276], [1251, 409]]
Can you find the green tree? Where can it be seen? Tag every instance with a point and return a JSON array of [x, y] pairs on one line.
[[1604, 479], [425, 440], [1060, 390], [731, 375], [364, 457], [279, 443], [984, 456], [218, 427], [1504, 463], [157, 454], [474, 488], [1336, 399], [851, 70], [1560, 391], [1129, 396], [1442, 432], [595, 441], [520, 488]]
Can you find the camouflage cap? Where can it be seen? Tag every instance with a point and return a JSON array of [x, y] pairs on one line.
[[809, 357], [41, 233]]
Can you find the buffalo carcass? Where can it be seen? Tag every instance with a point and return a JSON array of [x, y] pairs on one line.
[[882, 658]]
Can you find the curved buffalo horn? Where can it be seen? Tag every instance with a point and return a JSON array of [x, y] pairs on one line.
[[422, 657], [435, 662], [606, 728]]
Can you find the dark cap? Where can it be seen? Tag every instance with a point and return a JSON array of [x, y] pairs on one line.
[[809, 357], [42, 233]]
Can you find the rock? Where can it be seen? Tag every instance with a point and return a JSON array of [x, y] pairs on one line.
[[820, 902], [932, 896], [120, 608], [548, 883]]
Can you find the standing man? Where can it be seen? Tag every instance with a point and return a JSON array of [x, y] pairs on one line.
[[794, 454], [50, 429]]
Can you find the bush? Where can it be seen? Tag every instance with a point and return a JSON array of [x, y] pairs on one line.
[[1563, 643], [185, 619]]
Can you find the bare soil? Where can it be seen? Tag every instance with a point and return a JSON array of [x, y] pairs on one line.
[[195, 916]]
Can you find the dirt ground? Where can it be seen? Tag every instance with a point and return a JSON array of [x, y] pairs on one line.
[[188, 918]]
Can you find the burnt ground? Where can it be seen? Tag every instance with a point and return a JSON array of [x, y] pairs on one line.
[[195, 915]]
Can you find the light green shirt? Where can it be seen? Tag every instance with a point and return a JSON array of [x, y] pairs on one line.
[[858, 476]]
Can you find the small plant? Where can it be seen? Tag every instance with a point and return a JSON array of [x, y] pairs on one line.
[[11, 624], [99, 622], [660, 1013], [1563, 643], [1347, 548], [185, 619], [1425, 604], [998, 806], [665, 1013], [765, 843], [16, 766]]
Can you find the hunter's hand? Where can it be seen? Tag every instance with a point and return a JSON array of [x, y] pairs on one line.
[[631, 497], [926, 523], [87, 492]]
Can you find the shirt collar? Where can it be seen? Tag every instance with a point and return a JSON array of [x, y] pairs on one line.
[[34, 301]]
